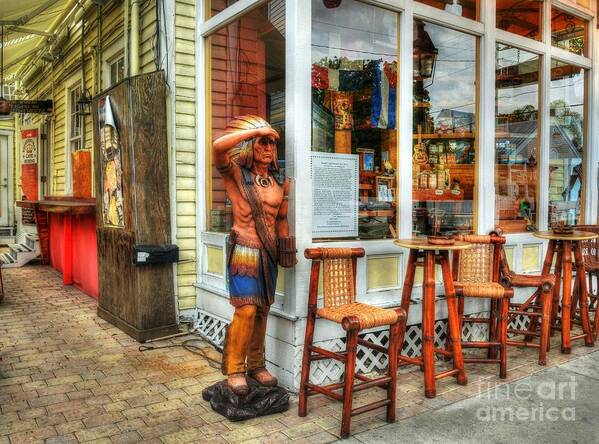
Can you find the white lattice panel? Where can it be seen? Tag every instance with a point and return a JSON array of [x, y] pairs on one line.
[[211, 328], [368, 361]]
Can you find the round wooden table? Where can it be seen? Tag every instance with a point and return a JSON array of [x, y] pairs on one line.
[[561, 246], [432, 254]]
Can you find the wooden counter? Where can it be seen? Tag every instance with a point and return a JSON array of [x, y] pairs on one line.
[[68, 208]]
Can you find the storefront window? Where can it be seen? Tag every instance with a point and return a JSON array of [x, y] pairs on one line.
[[444, 83], [247, 67], [522, 17], [516, 138], [568, 32], [463, 8], [354, 112], [567, 108]]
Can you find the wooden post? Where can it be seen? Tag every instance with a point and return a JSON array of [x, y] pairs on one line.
[[454, 319], [532, 327], [557, 288], [393, 353], [406, 296], [566, 295], [348, 390], [428, 324], [310, 321], [546, 300]]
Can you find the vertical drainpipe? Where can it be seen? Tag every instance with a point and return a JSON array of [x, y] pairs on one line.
[[126, 37], [134, 38]]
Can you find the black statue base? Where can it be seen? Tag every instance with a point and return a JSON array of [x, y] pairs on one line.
[[260, 401]]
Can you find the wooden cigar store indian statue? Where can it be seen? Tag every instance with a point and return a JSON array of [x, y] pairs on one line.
[[246, 157]]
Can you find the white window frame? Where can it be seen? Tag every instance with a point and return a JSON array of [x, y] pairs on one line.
[[72, 83], [110, 55], [298, 103]]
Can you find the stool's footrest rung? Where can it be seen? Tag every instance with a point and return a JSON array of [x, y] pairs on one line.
[[324, 391], [482, 361], [530, 314], [369, 407], [376, 382], [524, 344], [373, 346], [480, 344], [447, 373], [523, 332], [321, 353], [442, 351], [581, 336], [476, 320], [405, 360]]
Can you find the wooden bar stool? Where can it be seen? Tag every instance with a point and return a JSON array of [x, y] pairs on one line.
[[590, 256], [536, 307], [562, 245], [340, 306], [433, 254], [476, 275]]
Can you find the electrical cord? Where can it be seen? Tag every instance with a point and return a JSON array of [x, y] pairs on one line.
[[190, 347]]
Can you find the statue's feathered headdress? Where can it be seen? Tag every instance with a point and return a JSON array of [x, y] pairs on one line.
[[243, 154]]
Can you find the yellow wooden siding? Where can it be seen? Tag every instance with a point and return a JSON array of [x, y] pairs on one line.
[[185, 144]]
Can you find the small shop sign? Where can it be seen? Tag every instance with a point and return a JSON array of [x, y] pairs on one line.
[[31, 106]]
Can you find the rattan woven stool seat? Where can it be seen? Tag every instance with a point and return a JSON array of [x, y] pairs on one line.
[[367, 315], [487, 290]]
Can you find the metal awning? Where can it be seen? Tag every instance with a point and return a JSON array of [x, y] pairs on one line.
[[29, 25]]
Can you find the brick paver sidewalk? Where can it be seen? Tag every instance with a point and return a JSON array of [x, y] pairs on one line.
[[68, 376]]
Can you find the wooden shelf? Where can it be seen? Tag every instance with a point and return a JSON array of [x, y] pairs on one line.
[[425, 195], [444, 136], [379, 213]]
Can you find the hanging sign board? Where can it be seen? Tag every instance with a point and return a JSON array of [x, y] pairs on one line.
[[31, 106], [29, 169], [335, 179]]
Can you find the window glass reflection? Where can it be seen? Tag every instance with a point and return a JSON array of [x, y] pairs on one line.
[[247, 61], [463, 8], [568, 32], [516, 138], [354, 103], [522, 17], [444, 130], [567, 108]]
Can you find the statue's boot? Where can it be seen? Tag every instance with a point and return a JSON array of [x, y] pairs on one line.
[[238, 384], [255, 359], [237, 340], [263, 377]]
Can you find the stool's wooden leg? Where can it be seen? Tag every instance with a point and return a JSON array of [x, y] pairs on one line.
[[566, 296], [534, 322], [428, 325], [393, 355], [305, 377], [581, 278], [558, 285], [348, 390], [406, 296], [546, 299], [308, 339], [454, 320], [504, 304], [494, 330]]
